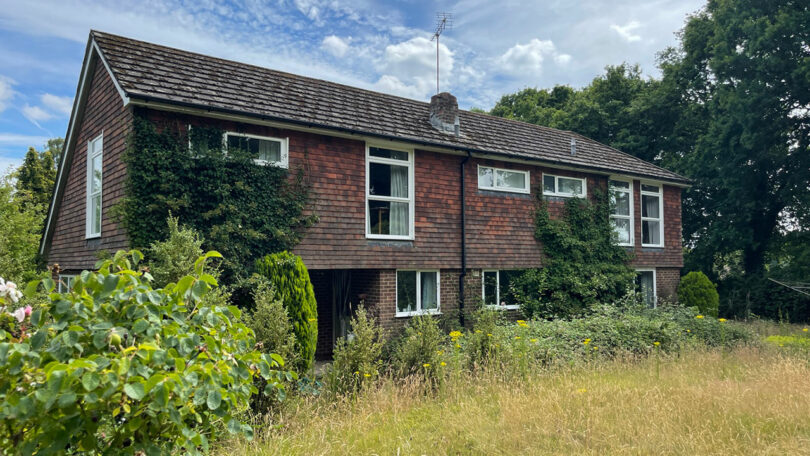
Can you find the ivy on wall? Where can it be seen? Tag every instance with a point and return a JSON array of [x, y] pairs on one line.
[[242, 209], [584, 265]]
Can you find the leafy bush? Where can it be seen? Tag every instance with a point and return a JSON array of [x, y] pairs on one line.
[[290, 280], [20, 231], [115, 366], [585, 266], [357, 359], [417, 349], [696, 290], [175, 256], [480, 346]]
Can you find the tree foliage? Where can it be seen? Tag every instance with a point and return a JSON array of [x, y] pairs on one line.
[[37, 174], [20, 229]]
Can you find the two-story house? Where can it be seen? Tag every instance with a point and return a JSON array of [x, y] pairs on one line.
[[423, 208]]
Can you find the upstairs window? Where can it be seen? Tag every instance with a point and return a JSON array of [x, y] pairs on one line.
[[621, 214], [652, 216], [495, 288], [264, 150], [417, 292], [503, 180], [563, 186], [95, 163], [389, 193]]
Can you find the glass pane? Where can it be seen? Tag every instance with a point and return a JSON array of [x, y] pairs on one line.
[[388, 180], [621, 203], [619, 184], [509, 179], [96, 208], [388, 153], [386, 217], [430, 290], [650, 188], [485, 177], [406, 291], [548, 184], [572, 186], [269, 151], [646, 286], [95, 185], [650, 232], [237, 143], [649, 206], [622, 229], [491, 288], [505, 283]]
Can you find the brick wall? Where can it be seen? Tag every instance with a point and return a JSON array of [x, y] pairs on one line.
[[666, 283], [671, 255], [105, 113]]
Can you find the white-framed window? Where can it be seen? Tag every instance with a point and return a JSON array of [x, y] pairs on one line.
[[645, 282], [564, 186], [389, 193], [495, 287], [621, 214], [65, 283], [418, 292], [264, 150], [652, 216], [95, 162], [503, 180]]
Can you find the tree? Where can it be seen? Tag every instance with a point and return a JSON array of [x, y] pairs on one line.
[[20, 225], [38, 172]]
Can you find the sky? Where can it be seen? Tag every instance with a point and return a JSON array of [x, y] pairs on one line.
[[493, 48]]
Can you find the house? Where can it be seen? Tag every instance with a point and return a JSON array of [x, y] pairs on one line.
[[423, 207]]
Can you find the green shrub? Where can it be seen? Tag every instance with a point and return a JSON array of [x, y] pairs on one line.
[[174, 257], [357, 359], [116, 367], [480, 346], [417, 349], [290, 280], [696, 290]]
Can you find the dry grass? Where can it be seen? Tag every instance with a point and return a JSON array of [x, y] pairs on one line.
[[750, 401]]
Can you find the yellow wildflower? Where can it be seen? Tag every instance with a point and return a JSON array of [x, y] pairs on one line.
[[439, 352], [582, 390], [688, 330], [805, 330], [699, 317], [721, 320], [595, 347], [356, 372], [586, 341], [656, 343], [478, 331], [458, 346], [426, 365], [443, 363], [517, 337], [521, 321], [455, 334], [533, 340], [489, 335], [312, 319], [367, 375]]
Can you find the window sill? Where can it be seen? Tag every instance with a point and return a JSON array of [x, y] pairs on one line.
[[277, 164], [418, 313], [510, 307], [652, 246], [506, 190], [382, 237], [92, 236], [563, 195]]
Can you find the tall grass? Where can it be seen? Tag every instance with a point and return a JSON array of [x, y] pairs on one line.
[[751, 401]]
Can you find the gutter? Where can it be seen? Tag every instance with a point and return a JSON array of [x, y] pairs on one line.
[[463, 274]]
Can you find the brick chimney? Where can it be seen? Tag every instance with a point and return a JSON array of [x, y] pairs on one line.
[[444, 113]]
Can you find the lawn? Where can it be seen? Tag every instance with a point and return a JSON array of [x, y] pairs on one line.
[[746, 401]]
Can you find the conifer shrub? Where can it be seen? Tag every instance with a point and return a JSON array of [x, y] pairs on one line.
[[696, 290], [357, 358], [289, 278], [174, 256]]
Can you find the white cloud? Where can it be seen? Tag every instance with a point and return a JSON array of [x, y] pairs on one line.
[[57, 104], [409, 68], [626, 31], [35, 114], [528, 58], [335, 45], [14, 139], [392, 84], [6, 92]]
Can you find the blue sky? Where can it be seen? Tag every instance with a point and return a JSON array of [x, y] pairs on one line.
[[494, 47]]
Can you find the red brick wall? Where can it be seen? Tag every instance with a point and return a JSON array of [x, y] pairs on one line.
[[671, 254], [666, 283], [105, 113]]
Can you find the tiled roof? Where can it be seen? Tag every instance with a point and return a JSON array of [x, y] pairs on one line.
[[153, 72]]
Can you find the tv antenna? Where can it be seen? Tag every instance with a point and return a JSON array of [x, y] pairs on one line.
[[443, 21]]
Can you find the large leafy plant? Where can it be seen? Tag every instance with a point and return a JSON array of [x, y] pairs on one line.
[[116, 367]]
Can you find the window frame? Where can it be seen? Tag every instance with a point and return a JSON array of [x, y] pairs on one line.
[[411, 200], [660, 219], [631, 217], [89, 208], [655, 284], [495, 169], [284, 154], [419, 310], [557, 177], [497, 290], [65, 282]]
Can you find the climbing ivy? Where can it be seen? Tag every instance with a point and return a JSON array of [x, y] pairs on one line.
[[241, 209], [584, 264]]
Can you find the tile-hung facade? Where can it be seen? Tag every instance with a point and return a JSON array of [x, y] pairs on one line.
[[423, 208]]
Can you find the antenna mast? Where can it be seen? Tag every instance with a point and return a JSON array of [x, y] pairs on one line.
[[443, 21]]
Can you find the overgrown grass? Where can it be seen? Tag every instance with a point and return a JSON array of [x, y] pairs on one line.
[[751, 400]]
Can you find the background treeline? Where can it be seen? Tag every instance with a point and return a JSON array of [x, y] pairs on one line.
[[730, 111]]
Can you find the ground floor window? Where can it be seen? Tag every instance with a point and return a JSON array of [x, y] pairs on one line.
[[65, 283], [417, 292], [496, 285], [645, 283]]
